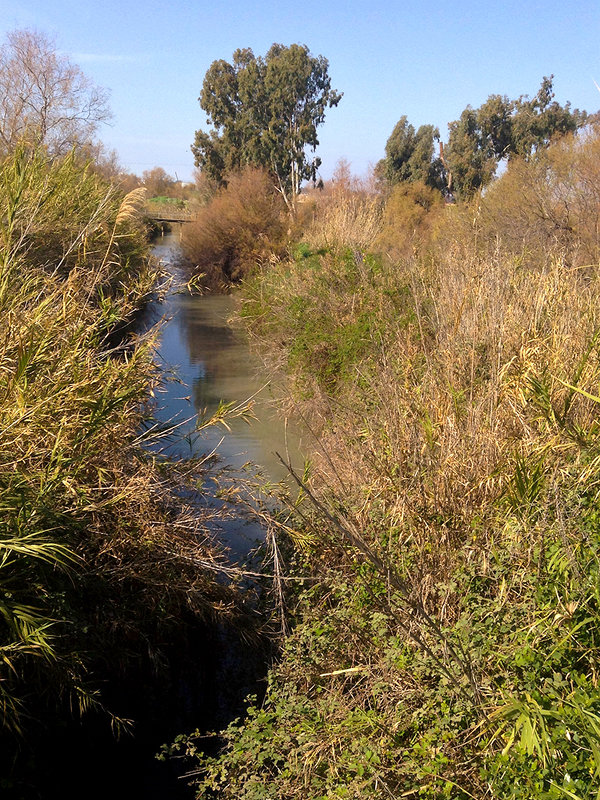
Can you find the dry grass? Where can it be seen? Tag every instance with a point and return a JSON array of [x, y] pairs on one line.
[[347, 213], [449, 644], [463, 372], [91, 525]]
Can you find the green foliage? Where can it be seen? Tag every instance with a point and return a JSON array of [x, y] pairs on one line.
[[354, 710], [470, 162], [265, 113], [327, 347], [503, 128], [409, 156]]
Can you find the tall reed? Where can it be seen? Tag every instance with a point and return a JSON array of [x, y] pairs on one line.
[[98, 551]]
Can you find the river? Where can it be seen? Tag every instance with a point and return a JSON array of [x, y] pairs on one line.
[[212, 363], [204, 686]]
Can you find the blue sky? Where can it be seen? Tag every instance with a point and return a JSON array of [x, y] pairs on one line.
[[389, 59]]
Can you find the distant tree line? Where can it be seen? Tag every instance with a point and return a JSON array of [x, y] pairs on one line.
[[478, 141], [265, 111]]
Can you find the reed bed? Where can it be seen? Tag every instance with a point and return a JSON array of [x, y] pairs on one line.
[[101, 559], [448, 643]]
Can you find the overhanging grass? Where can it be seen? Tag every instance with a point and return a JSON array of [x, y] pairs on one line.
[[99, 557]]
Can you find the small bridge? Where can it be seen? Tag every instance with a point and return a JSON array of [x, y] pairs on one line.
[[167, 213]]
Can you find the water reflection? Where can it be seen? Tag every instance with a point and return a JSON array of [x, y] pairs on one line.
[[212, 363]]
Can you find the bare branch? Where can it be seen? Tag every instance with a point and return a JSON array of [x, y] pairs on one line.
[[44, 98]]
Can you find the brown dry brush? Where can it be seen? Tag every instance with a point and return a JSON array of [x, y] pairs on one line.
[[242, 225], [463, 426]]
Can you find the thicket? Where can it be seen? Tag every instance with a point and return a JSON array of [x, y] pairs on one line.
[[102, 562], [446, 641], [242, 225]]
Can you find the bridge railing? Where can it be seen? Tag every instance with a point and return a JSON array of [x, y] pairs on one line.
[[168, 213]]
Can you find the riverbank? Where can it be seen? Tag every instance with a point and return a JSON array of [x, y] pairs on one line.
[[109, 588], [448, 643]]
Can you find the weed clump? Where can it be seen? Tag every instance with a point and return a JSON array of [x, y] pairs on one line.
[[241, 226]]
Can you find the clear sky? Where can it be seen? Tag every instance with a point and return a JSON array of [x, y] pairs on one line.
[[427, 61]]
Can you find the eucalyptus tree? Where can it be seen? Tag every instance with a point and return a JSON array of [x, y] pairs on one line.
[[410, 155], [265, 112], [503, 129]]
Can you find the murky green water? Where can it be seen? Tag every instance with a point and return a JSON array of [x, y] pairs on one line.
[[212, 364]]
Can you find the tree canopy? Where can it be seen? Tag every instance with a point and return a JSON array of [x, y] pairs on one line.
[[503, 128], [44, 98], [265, 112], [482, 137], [409, 155]]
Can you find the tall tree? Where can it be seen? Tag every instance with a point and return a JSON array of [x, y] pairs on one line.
[[44, 98], [537, 121], [265, 112], [503, 128], [409, 155], [470, 164]]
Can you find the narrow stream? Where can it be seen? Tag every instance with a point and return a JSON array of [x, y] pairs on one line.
[[213, 668], [212, 364]]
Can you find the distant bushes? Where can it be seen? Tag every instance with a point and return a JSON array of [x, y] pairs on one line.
[[242, 226], [411, 212], [550, 204]]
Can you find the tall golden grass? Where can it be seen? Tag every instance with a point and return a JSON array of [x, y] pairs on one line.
[[97, 548], [346, 214], [450, 647]]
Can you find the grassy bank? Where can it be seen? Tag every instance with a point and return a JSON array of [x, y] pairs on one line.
[[103, 567], [449, 646]]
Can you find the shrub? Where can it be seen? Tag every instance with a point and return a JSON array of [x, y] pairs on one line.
[[241, 227], [549, 205], [410, 214]]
